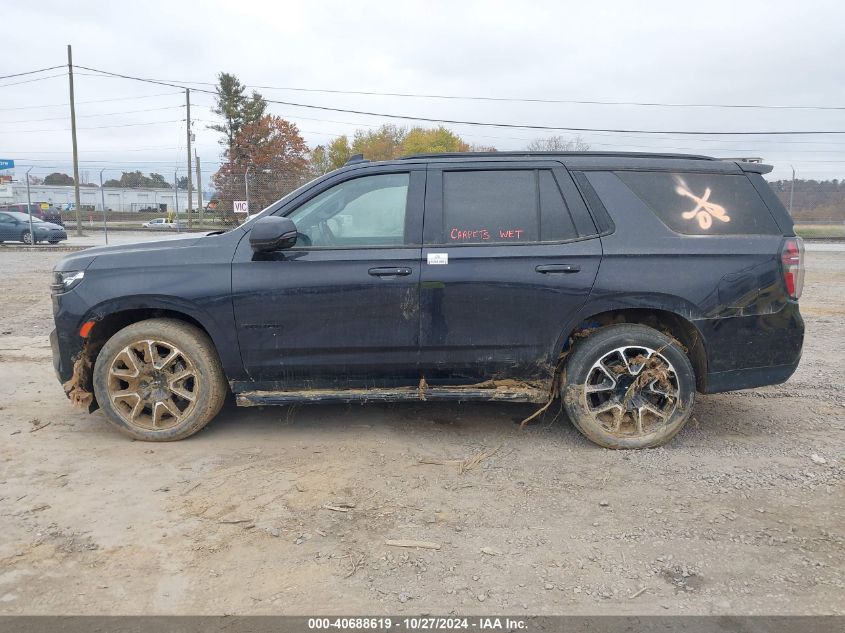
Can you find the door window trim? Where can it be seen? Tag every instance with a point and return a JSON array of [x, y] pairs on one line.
[[413, 207], [434, 226]]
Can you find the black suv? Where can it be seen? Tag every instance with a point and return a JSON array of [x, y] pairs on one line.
[[620, 283]]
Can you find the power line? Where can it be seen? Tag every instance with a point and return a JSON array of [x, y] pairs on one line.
[[102, 127], [88, 116], [515, 99], [57, 105], [29, 81], [31, 72], [484, 123]]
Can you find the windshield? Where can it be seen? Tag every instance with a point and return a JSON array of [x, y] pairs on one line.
[[22, 217]]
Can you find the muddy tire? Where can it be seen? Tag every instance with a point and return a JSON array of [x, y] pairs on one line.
[[159, 380], [628, 386]]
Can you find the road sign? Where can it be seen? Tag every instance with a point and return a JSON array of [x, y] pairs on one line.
[[241, 206], [6, 163]]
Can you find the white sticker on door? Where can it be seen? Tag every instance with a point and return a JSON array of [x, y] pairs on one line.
[[438, 258]]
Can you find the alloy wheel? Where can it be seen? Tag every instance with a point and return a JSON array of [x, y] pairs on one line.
[[632, 391], [153, 384]]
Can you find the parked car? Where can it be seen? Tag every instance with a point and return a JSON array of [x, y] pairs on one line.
[[621, 283], [50, 214], [14, 227], [162, 223]]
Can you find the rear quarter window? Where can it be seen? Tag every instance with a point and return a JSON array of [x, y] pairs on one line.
[[702, 204]]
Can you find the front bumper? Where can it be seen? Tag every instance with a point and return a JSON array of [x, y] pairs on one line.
[[62, 363], [51, 236]]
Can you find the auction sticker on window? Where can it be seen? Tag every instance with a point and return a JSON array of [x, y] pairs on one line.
[[438, 258]]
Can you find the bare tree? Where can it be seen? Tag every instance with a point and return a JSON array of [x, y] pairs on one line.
[[558, 144]]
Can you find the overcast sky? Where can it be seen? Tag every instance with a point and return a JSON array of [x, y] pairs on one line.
[[749, 52]]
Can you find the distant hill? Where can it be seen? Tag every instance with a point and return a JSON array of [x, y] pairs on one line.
[[814, 199]]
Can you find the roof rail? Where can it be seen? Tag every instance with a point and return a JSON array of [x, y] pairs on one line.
[[543, 154]]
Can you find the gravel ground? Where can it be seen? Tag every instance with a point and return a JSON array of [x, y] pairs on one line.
[[741, 514]]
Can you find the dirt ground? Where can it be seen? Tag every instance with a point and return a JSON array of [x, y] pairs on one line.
[[741, 514]]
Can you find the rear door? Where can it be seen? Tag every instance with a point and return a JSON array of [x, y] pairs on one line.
[[341, 308], [507, 260]]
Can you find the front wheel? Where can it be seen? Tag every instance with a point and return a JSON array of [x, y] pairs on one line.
[[159, 380], [628, 386], [26, 238]]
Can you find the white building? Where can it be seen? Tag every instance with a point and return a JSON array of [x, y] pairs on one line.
[[117, 199]]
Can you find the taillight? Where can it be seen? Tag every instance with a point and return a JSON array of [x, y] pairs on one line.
[[792, 261]]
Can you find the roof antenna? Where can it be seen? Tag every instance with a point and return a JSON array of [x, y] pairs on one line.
[[357, 158]]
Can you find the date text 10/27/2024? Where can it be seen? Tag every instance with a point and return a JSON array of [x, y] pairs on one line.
[[425, 623]]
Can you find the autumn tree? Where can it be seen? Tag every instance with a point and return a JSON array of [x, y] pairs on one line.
[[558, 144], [275, 156]]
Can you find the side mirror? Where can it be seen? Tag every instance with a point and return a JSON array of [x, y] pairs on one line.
[[272, 234]]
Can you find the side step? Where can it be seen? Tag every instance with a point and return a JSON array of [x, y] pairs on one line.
[[510, 391]]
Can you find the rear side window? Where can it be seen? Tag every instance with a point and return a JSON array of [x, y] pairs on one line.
[[504, 206], [702, 204]]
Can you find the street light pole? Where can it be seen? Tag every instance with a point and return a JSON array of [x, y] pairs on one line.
[[29, 209], [103, 199]]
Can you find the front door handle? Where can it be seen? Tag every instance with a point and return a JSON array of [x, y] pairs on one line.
[[390, 272], [557, 268]]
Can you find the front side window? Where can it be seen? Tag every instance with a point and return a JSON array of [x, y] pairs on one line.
[[366, 211]]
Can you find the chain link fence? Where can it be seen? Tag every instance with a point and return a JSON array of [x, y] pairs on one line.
[[226, 200]]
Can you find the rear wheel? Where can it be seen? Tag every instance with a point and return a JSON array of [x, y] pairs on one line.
[[159, 380], [628, 386]]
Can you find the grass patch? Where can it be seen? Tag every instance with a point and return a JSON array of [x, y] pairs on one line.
[[820, 230]]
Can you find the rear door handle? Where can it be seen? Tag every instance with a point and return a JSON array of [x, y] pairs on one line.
[[557, 268], [390, 272]]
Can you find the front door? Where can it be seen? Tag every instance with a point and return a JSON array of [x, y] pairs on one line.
[[506, 263], [341, 308]]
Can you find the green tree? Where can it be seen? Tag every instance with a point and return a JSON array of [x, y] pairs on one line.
[[318, 161], [384, 143], [339, 152], [236, 109], [57, 178], [420, 140], [137, 180]]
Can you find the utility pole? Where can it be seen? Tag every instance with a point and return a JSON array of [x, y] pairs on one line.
[[190, 196], [176, 196], [791, 191], [73, 139], [29, 209], [199, 186]]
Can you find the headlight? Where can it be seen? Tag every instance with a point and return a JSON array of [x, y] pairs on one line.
[[64, 281]]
